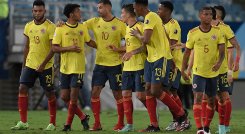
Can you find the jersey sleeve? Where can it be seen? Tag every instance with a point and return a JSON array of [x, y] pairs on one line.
[[90, 23], [87, 37], [123, 30], [51, 30], [190, 41], [26, 29], [229, 33], [150, 22], [57, 39], [174, 32]]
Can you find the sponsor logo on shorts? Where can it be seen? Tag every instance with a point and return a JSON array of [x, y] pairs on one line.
[[194, 85]]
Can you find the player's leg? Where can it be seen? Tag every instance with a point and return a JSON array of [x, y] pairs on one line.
[[127, 86], [114, 75], [204, 105], [210, 90], [140, 86], [228, 109], [46, 81], [27, 80], [198, 89], [99, 79]]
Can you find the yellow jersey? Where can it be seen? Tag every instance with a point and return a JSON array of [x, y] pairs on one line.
[[174, 32], [107, 33], [205, 45], [39, 43], [136, 62], [158, 46], [68, 35], [228, 34]]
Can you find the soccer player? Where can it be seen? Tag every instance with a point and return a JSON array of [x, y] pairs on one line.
[[174, 34], [207, 42], [155, 39], [133, 69], [108, 30], [226, 71], [69, 41], [37, 63]]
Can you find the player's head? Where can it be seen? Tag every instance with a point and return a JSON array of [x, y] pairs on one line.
[[127, 12], [165, 9], [220, 12], [72, 11], [38, 10], [214, 13], [140, 6], [205, 15], [104, 7]]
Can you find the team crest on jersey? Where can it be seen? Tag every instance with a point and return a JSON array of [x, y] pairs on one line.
[[213, 37], [147, 21], [98, 26], [43, 31], [114, 28], [194, 86], [81, 32], [175, 31]]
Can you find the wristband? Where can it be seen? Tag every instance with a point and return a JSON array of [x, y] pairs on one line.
[[230, 72], [237, 59]]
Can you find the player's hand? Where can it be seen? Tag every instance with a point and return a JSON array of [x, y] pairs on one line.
[[40, 68], [135, 32], [216, 67], [177, 46], [75, 48], [236, 67], [185, 76], [127, 56], [60, 23], [229, 79], [113, 48], [188, 72]]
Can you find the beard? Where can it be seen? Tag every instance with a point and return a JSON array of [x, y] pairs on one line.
[[38, 18]]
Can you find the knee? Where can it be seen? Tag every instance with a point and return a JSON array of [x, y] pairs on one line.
[[50, 95], [96, 91], [23, 90], [65, 98], [198, 98], [141, 97]]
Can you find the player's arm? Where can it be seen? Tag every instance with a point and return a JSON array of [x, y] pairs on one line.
[[120, 49], [145, 39], [92, 44], [190, 65], [46, 60], [221, 57], [235, 44], [26, 49], [185, 64], [58, 49]]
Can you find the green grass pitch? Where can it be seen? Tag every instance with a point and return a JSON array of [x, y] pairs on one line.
[[38, 120]]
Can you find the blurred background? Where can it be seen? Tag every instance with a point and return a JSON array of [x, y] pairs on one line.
[[14, 14]]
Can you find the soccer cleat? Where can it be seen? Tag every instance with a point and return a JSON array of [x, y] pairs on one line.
[[84, 122], [96, 127], [200, 132], [172, 126], [206, 130], [150, 128], [20, 126], [127, 128], [186, 124], [66, 128], [227, 129], [118, 127], [50, 127], [222, 129]]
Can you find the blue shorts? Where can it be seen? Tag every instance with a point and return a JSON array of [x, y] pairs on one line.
[[68, 81], [103, 73], [207, 85], [223, 85], [157, 72], [174, 79], [133, 80], [28, 77]]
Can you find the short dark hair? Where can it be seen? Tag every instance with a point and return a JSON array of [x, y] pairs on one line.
[[69, 8], [129, 8], [205, 8], [142, 2], [168, 5], [222, 9], [38, 3], [214, 13], [105, 2]]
